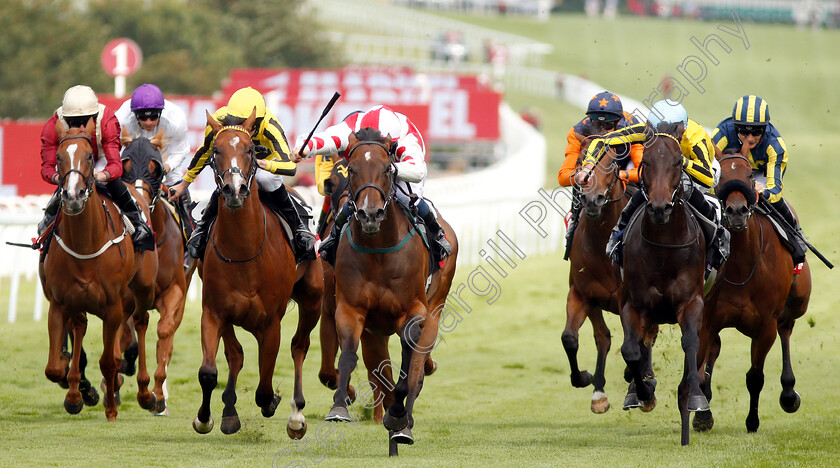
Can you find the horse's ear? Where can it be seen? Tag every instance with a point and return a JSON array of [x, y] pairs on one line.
[[90, 127], [249, 122], [157, 140], [213, 123], [125, 138], [679, 130], [352, 140], [126, 163], [60, 128]]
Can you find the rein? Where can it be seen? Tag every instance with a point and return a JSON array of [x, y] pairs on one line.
[[99, 252], [387, 197], [757, 260], [230, 260], [688, 218]]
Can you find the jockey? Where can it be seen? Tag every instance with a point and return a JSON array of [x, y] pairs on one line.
[[79, 105], [700, 174], [323, 168], [411, 169], [750, 133], [147, 113], [604, 114], [267, 133]]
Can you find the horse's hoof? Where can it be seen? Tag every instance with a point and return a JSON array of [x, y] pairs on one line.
[[89, 394], [698, 403], [329, 380], [631, 401], [269, 410], [351, 393], [150, 404], [788, 405], [296, 434], [600, 403], [230, 424], [430, 369], [703, 421], [395, 424], [403, 436], [338, 414], [160, 407], [582, 380], [752, 423], [649, 405], [73, 408], [203, 428]]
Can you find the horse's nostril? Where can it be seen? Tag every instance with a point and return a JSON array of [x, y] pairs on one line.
[[227, 190], [600, 199], [380, 214], [744, 210]]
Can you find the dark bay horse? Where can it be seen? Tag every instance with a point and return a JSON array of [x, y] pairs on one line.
[[380, 282], [143, 168], [756, 292], [593, 284], [374, 347], [249, 275], [89, 269], [664, 259]]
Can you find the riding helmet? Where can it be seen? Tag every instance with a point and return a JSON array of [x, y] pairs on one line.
[[146, 96], [669, 111], [244, 101], [751, 111], [605, 106], [79, 101]]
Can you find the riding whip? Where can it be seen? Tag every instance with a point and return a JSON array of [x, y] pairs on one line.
[[323, 114], [782, 219]]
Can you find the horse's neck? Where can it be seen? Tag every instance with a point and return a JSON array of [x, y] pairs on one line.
[[678, 229], [598, 229], [88, 228], [243, 226], [747, 243]]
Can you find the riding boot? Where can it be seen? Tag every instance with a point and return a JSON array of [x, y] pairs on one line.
[[798, 241], [50, 212], [577, 206], [441, 248], [615, 245], [304, 240], [198, 240], [717, 237], [329, 245], [141, 232]]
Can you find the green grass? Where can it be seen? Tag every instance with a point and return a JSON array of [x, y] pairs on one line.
[[502, 396]]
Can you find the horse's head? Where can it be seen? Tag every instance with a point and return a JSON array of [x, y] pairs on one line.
[[143, 163], [338, 184], [662, 171], [736, 190], [74, 157], [372, 175], [231, 152], [604, 186]]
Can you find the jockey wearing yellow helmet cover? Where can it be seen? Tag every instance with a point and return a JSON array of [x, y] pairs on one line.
[[700, 177], [274, 161]]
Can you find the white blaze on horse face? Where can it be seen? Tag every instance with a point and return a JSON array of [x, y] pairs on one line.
[[74, 178], [367, 156], [236, 177], [733, 165], [234, 141]]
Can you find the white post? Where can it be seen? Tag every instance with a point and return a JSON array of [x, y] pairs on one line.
[[13, 290], [39, 301], [119, 86]]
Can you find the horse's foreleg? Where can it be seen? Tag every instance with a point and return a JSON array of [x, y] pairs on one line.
[[170, 304], [56, 369], [328, 375], [112, 321], [690, 318], [207, 373], [761, 344], [379, 366], [128, 343], [73, 401], [349, 325], [268, 341], [603, 342], [235, 358], [309, 309], [632, 348], [145, 398], [576, 311], [789, 399], [710, 350]]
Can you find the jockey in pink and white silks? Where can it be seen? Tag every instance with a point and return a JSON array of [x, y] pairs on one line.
[[410, 157]]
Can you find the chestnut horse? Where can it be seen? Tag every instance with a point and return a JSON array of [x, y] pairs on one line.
[[593, 284], [374, 348], [143, 168], [90, 270], [380, 282], [249, 274], [756, 292], [664, 259]]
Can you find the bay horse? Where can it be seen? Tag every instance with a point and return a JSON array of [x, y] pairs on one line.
[[756, 292], [664, 262], [143, 168], [374, 348], [249, 275], [594, 285], [380, 282], [90, 270]]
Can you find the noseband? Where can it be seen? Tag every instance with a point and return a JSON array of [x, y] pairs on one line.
[[387, 197], [87, 178], [252, 170]]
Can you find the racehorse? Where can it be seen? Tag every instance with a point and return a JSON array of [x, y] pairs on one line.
[[756, 292], [90, 270], [249, 274], [374, 348], [380, 282], [143, 168], [664, 262], [593, 284]]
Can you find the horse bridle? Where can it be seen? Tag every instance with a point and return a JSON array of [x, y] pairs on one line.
[[751, 201], [89, 179], [675, 195], [252, 170], [392, 173]]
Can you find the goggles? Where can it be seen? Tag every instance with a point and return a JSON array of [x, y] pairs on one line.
[[747, 130], [78, 121], [147, 114]]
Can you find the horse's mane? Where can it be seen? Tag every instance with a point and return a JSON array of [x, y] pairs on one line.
[[369, 134]]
